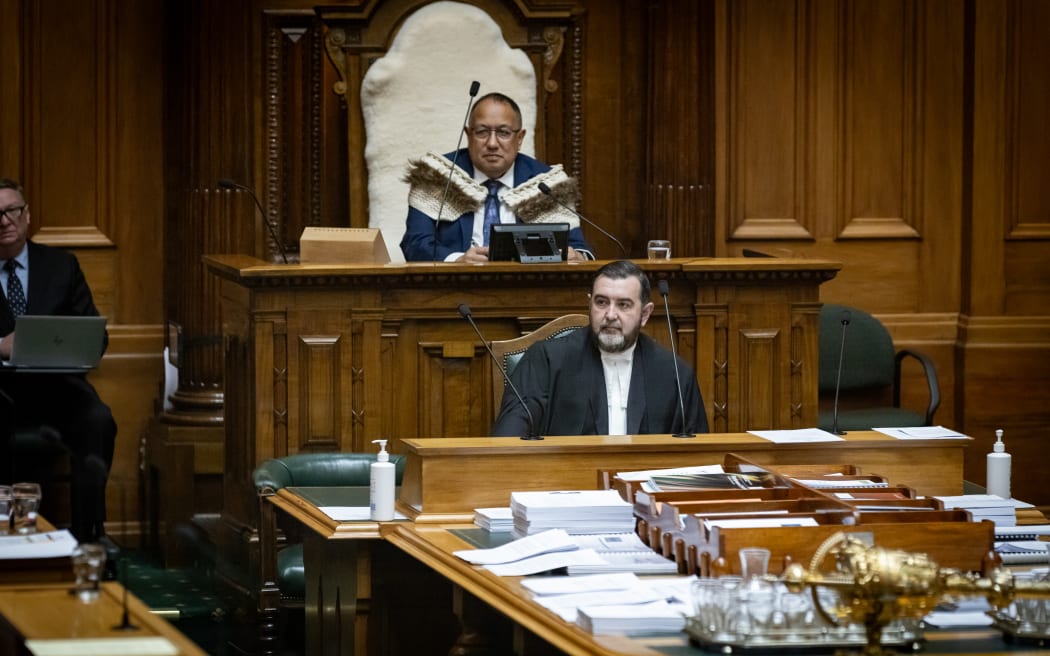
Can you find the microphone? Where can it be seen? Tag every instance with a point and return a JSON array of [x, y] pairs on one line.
[[226, 183], [846, 315], [474, 86], [464, 311], [125, 620], [674, 358], [547, 190]]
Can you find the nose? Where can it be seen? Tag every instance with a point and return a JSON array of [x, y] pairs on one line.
[[492, 140]]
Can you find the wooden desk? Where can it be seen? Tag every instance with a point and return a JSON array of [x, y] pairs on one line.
[[445, 479], [329, 357], [44, 611], [537, 630]]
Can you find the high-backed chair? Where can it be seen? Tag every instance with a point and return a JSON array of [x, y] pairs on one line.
[[509, 351], [870, 391], [281, 573], [31, 452]]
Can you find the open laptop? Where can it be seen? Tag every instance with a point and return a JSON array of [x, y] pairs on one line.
[[54, 343]]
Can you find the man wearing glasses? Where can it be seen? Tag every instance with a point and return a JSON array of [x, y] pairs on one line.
[[42, 280], [492, 183]]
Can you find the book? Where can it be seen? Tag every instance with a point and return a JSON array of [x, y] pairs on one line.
[[1023, 552], [707, 481]]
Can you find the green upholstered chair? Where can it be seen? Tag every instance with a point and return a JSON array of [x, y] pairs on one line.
[[870, 392], [509, 351], [282, 577]]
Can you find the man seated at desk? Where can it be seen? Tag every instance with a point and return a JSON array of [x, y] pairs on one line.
[[41, 280], [491, 183], [608, 379]]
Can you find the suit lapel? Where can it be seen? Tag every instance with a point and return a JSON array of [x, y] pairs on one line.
[[594, 380]]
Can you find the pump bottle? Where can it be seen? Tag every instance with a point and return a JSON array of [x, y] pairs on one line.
[[998, 473], [381, 492]]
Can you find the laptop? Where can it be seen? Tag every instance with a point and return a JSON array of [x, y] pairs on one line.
[[54, 343]]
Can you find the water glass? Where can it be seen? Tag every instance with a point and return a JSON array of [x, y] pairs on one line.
[[26, 498], [754, 562], [7, 501], [659, 249], [88, 562]]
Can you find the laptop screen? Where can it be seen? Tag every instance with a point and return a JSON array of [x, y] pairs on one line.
[[56, 342]]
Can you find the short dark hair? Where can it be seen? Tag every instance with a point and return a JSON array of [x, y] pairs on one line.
[[623, 269], [8, 183], [500, 98]]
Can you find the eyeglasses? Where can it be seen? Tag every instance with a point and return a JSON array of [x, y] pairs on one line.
[[503, 134], [13, 213]]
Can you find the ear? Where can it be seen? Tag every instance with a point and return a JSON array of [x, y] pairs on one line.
[[647, 311]]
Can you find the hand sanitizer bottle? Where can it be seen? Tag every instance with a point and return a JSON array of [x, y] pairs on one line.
[[998, 473], [381, 492]]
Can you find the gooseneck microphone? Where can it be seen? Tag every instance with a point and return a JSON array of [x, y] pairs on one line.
[[464, 311], [474, 86], [662, 284], [547, 190], [844, 319], [226, 183]]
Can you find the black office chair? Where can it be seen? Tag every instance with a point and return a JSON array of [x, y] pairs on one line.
[[33, 453], [870, 391]]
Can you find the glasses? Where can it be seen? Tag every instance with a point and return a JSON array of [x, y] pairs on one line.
[[13, 213], [483, 134]]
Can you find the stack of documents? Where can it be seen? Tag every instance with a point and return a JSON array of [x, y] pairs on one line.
[[494, 520], [47, 544], [616, 604], [984, 506], [575, 511], [1020, 545]]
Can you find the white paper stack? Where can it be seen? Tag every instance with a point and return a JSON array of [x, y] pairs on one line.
[[494, 520], [575, 511], [654, 617], [984, 506]]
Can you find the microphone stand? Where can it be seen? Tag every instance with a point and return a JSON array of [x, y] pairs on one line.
[[838, 378], [547, 190], [226, 183], [125, 622], [464, 311], [474, 86], [674, 358]]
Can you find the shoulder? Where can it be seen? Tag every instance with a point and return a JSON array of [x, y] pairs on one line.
[[528, 167], [570, 345], [43, 252]]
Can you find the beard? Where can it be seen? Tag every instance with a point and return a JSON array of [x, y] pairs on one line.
[[614, 342]]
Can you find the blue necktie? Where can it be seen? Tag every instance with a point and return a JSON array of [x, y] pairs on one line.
[[16, 296], [491, 208]]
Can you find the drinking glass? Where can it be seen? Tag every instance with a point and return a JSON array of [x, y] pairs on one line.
[[7, 500], [88, 563], [659, 249], [26, 504], [754, 562]]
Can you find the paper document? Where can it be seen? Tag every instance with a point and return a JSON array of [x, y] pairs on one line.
[[352, 513], [527, 547], [49, 544], [561, 585], [645, 475], [799, 436], [546, 562], [921, 433], [144, 646]]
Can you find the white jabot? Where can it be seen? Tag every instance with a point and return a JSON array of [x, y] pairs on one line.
[[617, 368]]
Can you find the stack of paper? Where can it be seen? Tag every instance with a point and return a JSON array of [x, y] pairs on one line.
[[1023, 544], [618, 604], [621, 552], [494, 520], [984, 506], [576, 511]]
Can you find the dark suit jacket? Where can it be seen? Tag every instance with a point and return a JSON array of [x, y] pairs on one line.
[[454, 236], [56, 287], [563, 382]]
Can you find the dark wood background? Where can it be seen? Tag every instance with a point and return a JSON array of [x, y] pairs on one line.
[[905, 139]]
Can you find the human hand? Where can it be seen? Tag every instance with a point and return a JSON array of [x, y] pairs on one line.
[[6, 344], [575, 256], [475, 255]]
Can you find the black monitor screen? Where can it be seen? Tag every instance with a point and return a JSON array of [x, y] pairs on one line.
[[529, 243]]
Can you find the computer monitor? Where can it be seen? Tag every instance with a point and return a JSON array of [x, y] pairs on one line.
[[529, 243]]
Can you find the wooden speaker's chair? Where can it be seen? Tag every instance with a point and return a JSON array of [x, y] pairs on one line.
[[509, 351], [282, 579], [870, 391]]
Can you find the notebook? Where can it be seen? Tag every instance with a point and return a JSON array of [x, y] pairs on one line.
[[56, 343]]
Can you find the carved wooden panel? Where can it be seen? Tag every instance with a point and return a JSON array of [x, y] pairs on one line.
[[759, 389]]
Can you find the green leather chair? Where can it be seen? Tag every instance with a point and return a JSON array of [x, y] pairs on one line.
[[870, 392], [282, 580]]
